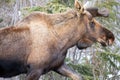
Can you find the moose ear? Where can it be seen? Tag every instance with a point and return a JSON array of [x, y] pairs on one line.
[[78, 6], [98, 13]]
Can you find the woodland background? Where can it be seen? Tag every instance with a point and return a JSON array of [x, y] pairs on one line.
[[94, 63]]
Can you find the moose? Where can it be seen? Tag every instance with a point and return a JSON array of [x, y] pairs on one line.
[[38, 43]]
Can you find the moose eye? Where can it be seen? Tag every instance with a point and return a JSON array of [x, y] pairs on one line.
[[92, 24]]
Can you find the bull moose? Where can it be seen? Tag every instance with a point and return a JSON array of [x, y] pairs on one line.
[[39, 43]]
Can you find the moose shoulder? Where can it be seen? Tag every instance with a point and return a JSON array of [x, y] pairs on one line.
[[39, 43]]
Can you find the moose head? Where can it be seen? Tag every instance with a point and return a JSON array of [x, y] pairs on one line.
[[95, 32]]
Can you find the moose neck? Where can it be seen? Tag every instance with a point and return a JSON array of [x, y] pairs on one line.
[[69, 30]]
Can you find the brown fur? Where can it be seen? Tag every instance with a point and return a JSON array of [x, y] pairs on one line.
[[14, 41]]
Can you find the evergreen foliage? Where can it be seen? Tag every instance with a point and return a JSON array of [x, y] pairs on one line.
[[85, 70]]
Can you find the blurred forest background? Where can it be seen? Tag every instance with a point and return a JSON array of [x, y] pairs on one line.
[[94, 63]]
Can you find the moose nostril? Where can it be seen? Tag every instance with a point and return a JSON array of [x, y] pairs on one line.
[[111, 36]]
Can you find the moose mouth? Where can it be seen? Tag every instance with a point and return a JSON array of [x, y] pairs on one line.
[[105, 43]]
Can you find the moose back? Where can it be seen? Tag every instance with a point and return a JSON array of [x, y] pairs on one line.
[[39, 43]]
